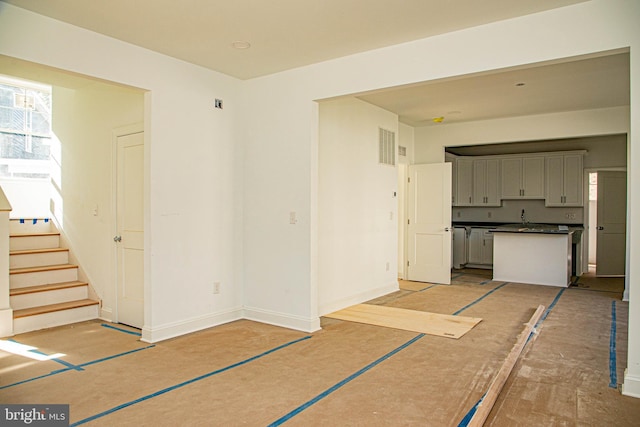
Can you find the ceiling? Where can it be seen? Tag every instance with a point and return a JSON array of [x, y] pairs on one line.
[[283, 34], [599, 82], [286, 34]]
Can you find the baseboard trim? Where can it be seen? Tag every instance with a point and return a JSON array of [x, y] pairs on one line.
[[172, 330], [631, 385], [358, 298], [106, 314], [297, 323], [6, 322]]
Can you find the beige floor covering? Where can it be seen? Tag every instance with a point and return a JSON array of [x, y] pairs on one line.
[[562, 378]]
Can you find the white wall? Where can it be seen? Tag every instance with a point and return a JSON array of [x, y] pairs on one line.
[[357, 209], [270, 193], [276, 126], [193, 199]]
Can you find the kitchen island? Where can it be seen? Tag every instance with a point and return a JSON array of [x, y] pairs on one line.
[[534, 254]]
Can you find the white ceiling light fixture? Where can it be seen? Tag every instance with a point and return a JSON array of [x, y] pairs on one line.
[[241, 44]]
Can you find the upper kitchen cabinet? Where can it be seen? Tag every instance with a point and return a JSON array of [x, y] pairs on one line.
[[486, 183], [564, 180], [522, 177], [463, 195]]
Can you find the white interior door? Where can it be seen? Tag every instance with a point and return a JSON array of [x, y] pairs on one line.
[[611, 229], [130, 235], [429, 223]]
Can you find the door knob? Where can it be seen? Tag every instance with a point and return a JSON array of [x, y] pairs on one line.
[[600, 228], [117, 238], [447, 229]]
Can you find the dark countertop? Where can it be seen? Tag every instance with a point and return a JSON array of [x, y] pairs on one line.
[[534, 228]]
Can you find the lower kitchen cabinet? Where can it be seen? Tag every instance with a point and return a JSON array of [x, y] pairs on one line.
[[480, 247]]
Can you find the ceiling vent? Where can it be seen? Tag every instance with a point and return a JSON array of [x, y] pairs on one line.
[[386, 147]]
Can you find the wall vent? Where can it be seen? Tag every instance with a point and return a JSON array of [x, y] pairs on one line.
[[386, 147], [402, 151]]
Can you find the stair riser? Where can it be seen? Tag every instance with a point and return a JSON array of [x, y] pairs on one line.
[[37, 299], [42, 278], [38, 259], [58, 318], [29, 227], [33, 242]]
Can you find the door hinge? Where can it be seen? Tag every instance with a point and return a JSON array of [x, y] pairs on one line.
[[407, 263], [409, 179], [408, 221]]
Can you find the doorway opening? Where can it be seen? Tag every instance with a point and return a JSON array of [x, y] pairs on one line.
[[607, 207]]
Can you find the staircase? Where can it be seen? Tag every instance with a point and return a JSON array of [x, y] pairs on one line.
[[44, 288]]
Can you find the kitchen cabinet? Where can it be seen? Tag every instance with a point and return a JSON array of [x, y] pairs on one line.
[[464, 182], [486, 188], [563, 180], [480, 251], [522, 177]]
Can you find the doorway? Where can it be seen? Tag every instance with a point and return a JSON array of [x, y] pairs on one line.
[[129, 236], [607, 207]]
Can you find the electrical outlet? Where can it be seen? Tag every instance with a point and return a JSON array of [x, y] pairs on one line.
[[388, 266], [216, 287], [292, 218], [488, 214], [570, 215]]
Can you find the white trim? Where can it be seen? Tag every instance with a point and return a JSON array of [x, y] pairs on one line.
[[106, 314], [183, 327], [297, 323], [631, 385], [359, 298], [6, 322]]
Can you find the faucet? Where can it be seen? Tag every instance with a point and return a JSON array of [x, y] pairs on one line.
[[522, 216]]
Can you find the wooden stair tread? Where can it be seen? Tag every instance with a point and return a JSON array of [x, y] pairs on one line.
[[42, 268], [44, 288], [38, 251], [53, 308], [36, 234]]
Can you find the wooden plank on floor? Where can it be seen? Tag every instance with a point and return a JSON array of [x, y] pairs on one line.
[[491, 396], [442, 325]]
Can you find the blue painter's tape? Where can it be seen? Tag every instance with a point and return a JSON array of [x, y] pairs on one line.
[[185, 383], [126, 331], [21, 220], [59, 371], [480, 299], [428, 287], [60, 361], [613, 375], [485, 282], [35, 221], [46, 220], [467, 418], [457, 275], [342, 383]]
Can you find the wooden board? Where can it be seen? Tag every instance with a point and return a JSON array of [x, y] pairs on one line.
[[489, 399], [442, 325]]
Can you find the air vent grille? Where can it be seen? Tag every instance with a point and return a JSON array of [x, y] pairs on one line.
[[402, 151], [386, 147]]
